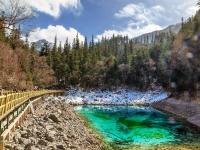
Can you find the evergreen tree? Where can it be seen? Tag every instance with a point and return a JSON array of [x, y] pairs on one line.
[[182, 23], [60, 48], [66, 51], [92, 44], [45, 50], [85, 44], [124, 58], [77, 43]]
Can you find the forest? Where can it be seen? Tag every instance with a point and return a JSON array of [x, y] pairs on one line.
[[170, 61], [167, 60]]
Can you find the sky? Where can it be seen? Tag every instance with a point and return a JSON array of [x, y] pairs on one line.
[[66, 18]]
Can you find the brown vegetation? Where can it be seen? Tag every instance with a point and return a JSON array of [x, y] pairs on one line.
[[22, 69]]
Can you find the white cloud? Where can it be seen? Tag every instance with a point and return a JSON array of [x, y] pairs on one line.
[[53, 7], [128, 11], [129, 31], [141, 20], [187, 8], [51, 31], [191, 10], [140, 13], [147, 17], [158, 8]]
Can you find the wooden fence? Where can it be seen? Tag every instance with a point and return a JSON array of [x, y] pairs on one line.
[[15, 106], [10, 101]]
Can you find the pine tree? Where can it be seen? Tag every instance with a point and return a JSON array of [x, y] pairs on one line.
[[66, 51], [60, 48], [124, 59], [77, 44], [26, 45], [45, 49], [92, 44], [182, 23], [54, 55], [85, 44], [55, 44]]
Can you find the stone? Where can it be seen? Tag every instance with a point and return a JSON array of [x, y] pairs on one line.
[[33, 140], [72, 147], [34, 148], [38, 134], [28, 146], [9, 147], [20, 141], [45, 118], [42, 142], [52, 148], [24, 134], [59, 129], [54, 118], [60, 147], [26, 141], [17, 147], [49, 138], [49, 127], [41, 123], [16, 137], [59, 111]]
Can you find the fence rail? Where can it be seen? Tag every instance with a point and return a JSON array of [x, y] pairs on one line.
[[5, 92], [9, 101], [14, 108]]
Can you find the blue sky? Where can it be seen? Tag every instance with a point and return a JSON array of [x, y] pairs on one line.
[[66, 18]]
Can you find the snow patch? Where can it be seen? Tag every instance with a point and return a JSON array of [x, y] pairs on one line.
[[114, 97]]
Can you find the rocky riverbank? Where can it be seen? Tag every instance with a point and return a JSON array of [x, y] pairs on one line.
[[188, 111], [54, 126], [118, 96]]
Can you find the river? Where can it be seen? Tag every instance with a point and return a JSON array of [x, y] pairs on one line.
[[138, 127]]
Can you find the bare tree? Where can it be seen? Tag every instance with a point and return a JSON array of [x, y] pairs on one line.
[[14, 12]]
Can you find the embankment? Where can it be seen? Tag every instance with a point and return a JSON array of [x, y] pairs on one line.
[[188, 111], [54, 126]]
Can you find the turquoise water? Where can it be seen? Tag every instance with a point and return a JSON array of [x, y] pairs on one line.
[[133, 125]]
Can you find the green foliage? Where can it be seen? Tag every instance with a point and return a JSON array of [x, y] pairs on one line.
[[185, 57]]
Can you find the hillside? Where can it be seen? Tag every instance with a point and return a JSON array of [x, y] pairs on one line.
[[150, 38]]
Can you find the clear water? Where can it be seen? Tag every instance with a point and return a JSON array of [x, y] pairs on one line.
[[133, 125]]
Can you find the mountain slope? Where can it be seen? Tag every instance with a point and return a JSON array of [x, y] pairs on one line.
[[150, 38]]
